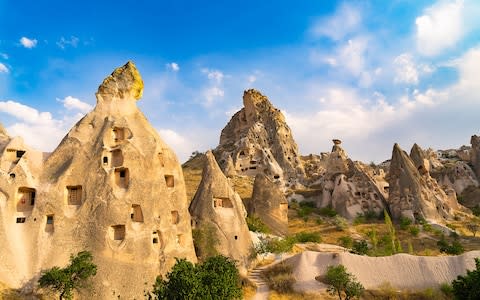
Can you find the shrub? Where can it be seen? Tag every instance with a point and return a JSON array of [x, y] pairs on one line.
[[327, 211], [359, 219], [455, 248], [72, 277], [340, 223], [446, 289], [346, 241], [280, 277], [404, 223], [341, 282], [468, 286], [360, 247], [414, 230], [216, 278], [256, 225], [305, 237]]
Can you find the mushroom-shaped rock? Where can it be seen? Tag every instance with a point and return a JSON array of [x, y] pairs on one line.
[[269, 204], [219, 210]]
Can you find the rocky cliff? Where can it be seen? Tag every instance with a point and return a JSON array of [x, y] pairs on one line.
[[258, 140]]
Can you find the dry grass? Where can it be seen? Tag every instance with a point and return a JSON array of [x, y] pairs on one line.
[[249, 289], [297, 296]]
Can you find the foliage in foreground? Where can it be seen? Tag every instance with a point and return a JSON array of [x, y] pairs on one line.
[[283, 245], [468, 287], [342, 283], [205, 241], [72, 277], [256, 225], [216, 278]]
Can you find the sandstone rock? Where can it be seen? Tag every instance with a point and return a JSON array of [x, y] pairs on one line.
[[269, 204], [475, 154], [416, 195], [352, 188], [229, 170], [419, 159], [259, 141], [112, 187], [217, 206]]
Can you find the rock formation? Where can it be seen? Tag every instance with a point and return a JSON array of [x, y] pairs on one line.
[[352, 188], [269, 204], [218, 209], [112, 187], [475, 154], [413, 193], [259, 141]]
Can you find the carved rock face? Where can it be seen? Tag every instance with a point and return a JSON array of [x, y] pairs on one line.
[[112, 187], [218, 209], [259, 141], [414, 194]]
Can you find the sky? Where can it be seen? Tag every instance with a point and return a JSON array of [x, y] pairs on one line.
[[371, 73]]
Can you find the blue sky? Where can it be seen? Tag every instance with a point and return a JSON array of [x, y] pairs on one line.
[[371, 73]]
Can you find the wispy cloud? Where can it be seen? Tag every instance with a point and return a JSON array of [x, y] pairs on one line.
[[66, 42], [4, 55], [3, 68], [28, 43], [343, 22], [214, 91], [173, 66]]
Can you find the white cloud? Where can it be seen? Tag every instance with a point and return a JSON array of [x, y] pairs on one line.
[[252, 78], [344, 21], [72, 41], [211, 94], [28, 43], [405, 69], [72, 103], [181, 145], [215, 75], [173, 66], [3, 68], [39, 129], [440, 27]]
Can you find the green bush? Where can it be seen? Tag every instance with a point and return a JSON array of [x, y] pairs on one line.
[[217, 278], [72, 277], [340, 223], [256, 225], [414, 230], [360, 247], [306, 237], [341, 282], [359, 219], [327, 211], [455, 248], [446, 289], [468, 286], [346, 241], [404, 223]]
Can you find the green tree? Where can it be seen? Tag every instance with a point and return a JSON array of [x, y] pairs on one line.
[[72, 277], [468, 287], [216, 278], [391, 230], [342, 283]]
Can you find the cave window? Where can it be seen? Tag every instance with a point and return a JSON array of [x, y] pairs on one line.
[[155, 240], [20, 153], [21, 220], [49, 224], [105, 160], [276, 176], [26, 199], [122, 177], [386, 188], [253, 162], [169, 180], [253, 168], [12, 175], [74, 195], [136, 213], [175, 217], [222, 202], [236, 237], [179, 240], [242, 153], [118, 232]]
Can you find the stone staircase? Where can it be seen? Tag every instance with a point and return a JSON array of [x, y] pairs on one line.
[[255, 276]]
